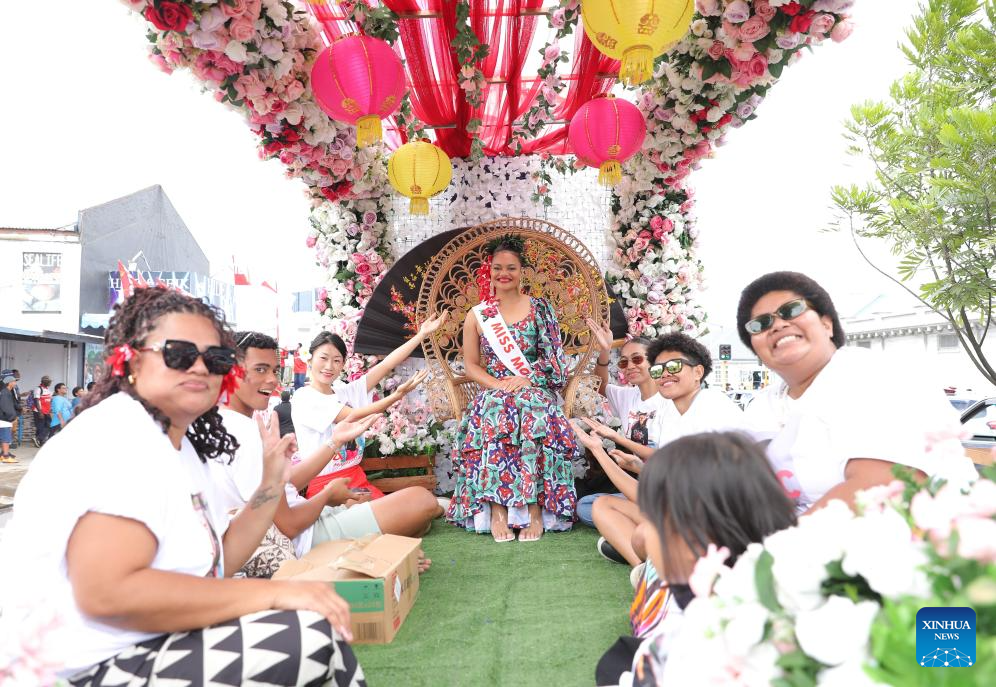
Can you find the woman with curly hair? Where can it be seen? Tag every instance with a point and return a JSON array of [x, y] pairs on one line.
[[514, 447], [128, 548]]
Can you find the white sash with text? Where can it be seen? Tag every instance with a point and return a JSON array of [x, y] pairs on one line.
[[502, 342]]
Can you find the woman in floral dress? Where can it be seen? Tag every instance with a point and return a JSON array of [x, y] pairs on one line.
[[514, 447]]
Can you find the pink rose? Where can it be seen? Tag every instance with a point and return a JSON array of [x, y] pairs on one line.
[[557, 18], [764, 10], [707, 8], [656, 222], [754, 29], [249, 86], [757, 67], [641, 244], [323, 294], [737, 12], [841, 30], [822, 23], [716, 50], [339, 167], [161, 63], [241, 29], [233, 8], [321, 306], [294, 90], [551, 53]]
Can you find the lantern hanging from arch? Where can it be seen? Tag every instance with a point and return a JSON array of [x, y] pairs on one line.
[[606, 132], [636, 31], [359, 80], [419, 170]]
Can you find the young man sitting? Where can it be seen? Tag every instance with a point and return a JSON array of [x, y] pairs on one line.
[[333, 513]]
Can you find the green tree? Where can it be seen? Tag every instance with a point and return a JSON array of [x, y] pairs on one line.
[[932, 146]]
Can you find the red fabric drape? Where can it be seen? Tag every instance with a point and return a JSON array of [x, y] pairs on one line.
[[433, 72]]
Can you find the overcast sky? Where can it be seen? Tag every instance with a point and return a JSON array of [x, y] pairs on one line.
[[87, 118]]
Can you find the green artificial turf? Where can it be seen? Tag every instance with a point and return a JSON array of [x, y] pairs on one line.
[[522, 614]]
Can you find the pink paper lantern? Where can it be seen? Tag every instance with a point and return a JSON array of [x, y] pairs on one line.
[[359, 80], [606, 132]]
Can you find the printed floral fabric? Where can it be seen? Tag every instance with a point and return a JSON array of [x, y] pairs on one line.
[[516, 448]]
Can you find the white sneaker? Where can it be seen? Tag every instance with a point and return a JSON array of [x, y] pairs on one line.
[[636, 574]]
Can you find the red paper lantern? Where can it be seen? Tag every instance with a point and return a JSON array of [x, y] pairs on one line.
[[606, 132], [359, 80]]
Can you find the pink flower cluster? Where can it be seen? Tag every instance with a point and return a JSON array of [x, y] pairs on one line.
[[971, 514], [256, 57]]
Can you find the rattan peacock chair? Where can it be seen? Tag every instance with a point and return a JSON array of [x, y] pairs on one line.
[[561, 269]]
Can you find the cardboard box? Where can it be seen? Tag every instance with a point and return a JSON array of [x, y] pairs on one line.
[[376, 575]]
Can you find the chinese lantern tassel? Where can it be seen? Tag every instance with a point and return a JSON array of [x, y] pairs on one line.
[[637, 65], [368, 130], [419, 206], [610, 173]]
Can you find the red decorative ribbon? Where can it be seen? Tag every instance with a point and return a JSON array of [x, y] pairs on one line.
[[117, 359], [229, 383]]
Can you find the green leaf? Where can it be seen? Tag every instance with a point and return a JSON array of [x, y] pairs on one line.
[[765, 581]]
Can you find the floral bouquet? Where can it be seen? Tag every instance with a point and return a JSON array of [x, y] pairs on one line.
[[408, 427], [834, 600]]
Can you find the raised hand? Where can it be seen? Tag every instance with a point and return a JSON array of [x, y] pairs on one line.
[[627, 461], [432, 324], [411, 384], [589, 441], [345, 432], [601, 430], [601, 332], [313, 596], [277, 450]]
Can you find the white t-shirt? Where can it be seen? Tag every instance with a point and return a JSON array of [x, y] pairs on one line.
[[710, 411], [240, 479], [647, 415], [859, 406], [131, 471], [314, 415]]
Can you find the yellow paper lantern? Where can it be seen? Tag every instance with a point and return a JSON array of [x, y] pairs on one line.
[[636, 31], [419, 170]]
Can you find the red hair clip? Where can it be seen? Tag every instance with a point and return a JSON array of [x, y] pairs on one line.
[[229, 383], [119, 356]]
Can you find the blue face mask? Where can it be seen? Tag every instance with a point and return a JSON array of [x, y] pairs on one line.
[[682, 594]]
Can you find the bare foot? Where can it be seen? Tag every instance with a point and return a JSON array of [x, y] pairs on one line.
[[423, 562], [499, 524], [535, 529]]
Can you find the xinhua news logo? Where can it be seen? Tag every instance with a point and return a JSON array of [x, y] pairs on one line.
[[945, 637]]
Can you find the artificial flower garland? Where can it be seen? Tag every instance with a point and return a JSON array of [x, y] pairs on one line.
[[255, 55]]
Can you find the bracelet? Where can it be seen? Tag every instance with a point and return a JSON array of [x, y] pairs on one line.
[[601, 364]]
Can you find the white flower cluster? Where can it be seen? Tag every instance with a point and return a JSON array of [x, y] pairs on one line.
[[490, 188]]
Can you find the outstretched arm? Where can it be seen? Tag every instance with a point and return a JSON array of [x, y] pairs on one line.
[[623, 482], [603, 339], [400, 354]]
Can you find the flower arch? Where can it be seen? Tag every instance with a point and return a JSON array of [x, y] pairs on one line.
[[255, 56]]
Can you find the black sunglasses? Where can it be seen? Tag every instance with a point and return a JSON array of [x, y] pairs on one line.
[[181, 355], [673, 367], [787, 311]]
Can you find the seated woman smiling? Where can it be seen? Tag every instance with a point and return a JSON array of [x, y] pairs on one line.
[[842, 417]]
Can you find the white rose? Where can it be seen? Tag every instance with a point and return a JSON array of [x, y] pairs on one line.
[[699, 26], [837, 631], [880, 547], [746, 629], [236, 51]]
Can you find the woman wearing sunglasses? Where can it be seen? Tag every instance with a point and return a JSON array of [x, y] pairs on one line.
[[637, 405], [129, 548], [842, 417]]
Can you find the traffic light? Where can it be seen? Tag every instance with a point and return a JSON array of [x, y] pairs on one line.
[[725, 352]]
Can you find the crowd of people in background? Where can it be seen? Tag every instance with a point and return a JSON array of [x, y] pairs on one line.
[[50, 407], [247, 476]]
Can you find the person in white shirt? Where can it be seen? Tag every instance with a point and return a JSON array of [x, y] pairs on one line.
[[335, 512], [841, 418], [326, 400], [680, 365], [129, 549], [638, 405]]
